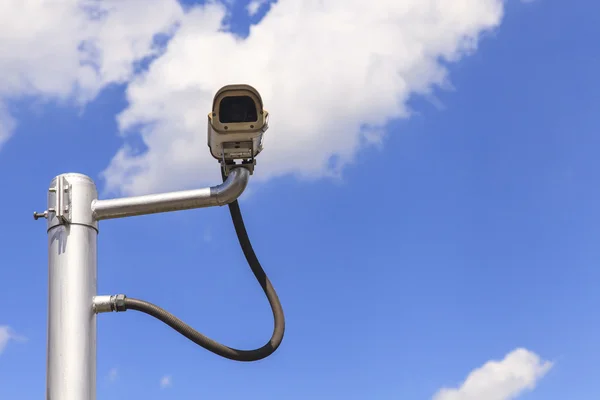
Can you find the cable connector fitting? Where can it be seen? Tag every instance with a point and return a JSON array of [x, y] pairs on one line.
[[103, 304], [228, 166], [119, 303]]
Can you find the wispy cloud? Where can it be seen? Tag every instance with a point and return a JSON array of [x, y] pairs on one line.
[[113, 374], [166, 381], [4, 337], [7, 125], [207, 235], [506, 379], [254, 6], [7, 334]]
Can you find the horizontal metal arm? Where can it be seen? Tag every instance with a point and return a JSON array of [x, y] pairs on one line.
[[219, 195]]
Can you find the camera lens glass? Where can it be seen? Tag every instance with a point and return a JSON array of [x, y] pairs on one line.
[[236, 109]]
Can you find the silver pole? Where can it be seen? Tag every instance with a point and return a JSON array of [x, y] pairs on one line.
[[73, 214], [72, 234]]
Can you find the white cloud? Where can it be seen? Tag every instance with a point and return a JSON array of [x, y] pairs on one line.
[[166, 381], [4, 337], [332, 73], [7, 125], [113, 374], [254, 6], [7, 334], [71, 49], [507, 379]]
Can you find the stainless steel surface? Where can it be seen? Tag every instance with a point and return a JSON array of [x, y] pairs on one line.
[[78, 192], [218, 195], [62, 199], [103, 304], [71, 359]]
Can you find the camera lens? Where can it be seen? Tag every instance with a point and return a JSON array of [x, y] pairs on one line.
[[236, 109]]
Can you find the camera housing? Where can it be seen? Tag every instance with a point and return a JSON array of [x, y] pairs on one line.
[[236, 124]]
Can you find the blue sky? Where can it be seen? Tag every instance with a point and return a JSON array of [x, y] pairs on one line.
[[466, 232]]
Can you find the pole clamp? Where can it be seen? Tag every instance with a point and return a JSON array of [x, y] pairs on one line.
[[62, 203]]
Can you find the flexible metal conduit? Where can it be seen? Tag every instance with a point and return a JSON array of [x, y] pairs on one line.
[[123, 303]]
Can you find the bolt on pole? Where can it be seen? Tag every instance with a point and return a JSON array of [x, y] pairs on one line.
[[72, 220]]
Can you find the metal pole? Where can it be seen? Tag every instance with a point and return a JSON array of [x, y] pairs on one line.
[[72, 239], [73, 214]]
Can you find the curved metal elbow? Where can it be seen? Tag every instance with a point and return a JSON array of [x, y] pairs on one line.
[[233, 187]]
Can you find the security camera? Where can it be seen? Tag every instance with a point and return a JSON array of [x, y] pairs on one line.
[[236, 124]]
